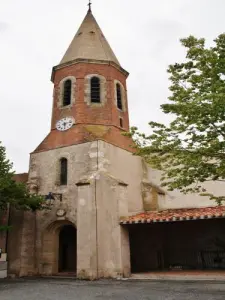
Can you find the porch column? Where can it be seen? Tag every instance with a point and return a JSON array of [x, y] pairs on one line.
[[86, 230], [112, 238]]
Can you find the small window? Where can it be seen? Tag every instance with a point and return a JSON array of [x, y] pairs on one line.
[[121, 122], [67, 92], [119, 96], [63, 171], [95, 90]]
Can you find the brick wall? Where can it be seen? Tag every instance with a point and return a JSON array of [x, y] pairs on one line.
[[81, 111], [105, 117], [82, 133]]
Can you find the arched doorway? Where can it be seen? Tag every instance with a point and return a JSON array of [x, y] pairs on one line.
[[67, 258]]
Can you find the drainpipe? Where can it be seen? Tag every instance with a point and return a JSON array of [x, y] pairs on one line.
[[35, 242], [7, 236], [96, 208]]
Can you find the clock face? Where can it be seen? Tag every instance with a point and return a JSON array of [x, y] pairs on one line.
[[65, 124]]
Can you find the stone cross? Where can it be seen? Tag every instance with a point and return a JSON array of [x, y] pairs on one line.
[[89, 4]]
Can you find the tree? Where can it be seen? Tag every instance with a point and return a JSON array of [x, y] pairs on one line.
[[12, 193], [191, 149]]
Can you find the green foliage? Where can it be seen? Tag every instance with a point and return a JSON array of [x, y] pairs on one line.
[[4, 228], [15, 194], [191, 149]]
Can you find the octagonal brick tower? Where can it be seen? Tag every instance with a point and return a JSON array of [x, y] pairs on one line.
[[97, 111]]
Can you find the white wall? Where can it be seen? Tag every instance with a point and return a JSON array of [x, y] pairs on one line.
[[176, 199], [126, 167], [85, 158], [45, 167]]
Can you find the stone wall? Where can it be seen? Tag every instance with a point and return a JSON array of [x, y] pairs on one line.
[[144, 191], [3, 234], [3, 246], [15, 238], [3, 269], [125, 166], [105, 183], [44, 167], [90, 197], [175, 199]]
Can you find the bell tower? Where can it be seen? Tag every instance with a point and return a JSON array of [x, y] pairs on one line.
[[84, 168], [90, 94]]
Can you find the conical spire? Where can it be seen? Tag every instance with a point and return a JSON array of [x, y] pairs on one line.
[[89, 43]]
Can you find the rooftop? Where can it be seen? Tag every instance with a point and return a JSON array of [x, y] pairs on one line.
[[89, 43], [173, 215], [21, 178]]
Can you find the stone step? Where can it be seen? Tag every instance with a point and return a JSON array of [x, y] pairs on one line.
[[3, 265]]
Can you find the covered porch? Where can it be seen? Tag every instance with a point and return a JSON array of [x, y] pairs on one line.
[[183, 240]]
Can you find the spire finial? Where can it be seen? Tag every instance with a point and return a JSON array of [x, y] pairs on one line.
[[89, 4]]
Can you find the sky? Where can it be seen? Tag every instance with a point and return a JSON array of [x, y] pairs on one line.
[[143, 34]]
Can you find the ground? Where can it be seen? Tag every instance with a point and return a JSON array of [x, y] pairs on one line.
[[68, 289], [2, 273]]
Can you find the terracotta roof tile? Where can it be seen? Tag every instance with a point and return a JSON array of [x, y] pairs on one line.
[[173, 215], [21, 178]]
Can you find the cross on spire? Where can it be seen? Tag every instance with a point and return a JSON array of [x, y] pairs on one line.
[[89, 4]]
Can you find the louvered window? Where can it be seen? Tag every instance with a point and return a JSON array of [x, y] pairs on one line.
[[95, 90], [119, 96], [67, 92]]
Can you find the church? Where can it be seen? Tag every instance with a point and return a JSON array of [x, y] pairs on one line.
[[108, 217]]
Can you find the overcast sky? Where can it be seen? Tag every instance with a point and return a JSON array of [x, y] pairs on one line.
[[144, 34]]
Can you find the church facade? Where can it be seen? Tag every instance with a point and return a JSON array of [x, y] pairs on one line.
[[108, 215]]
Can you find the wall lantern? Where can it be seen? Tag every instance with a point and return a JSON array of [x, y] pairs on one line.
[[51, 197]]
